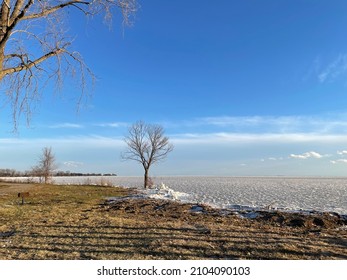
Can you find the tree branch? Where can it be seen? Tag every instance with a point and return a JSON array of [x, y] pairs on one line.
[[17, 9], [13, 22], [48, 11], [30, 64], [5, 12], [32, 34]]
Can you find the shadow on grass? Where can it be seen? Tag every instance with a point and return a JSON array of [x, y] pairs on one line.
[[143, 242]]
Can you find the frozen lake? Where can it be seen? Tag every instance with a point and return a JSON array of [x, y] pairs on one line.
[[287, 193]]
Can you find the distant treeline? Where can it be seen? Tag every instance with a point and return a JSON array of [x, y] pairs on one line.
[[14, 173], [68, 173]]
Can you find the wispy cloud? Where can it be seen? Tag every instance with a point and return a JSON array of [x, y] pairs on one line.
[[271, 159], [327, 124], [112, 124], [244, 138], [341, 153], [183, 138], [307, 155], [233, 121], [335, 69], [73, 163], [339, 161], [275, 158], [314, 69], [332, 123], [66, 125], [70, 141], [274, 123], [90, 125]]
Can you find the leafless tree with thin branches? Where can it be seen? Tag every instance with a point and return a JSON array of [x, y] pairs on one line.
[[35, 47], [146, 144], [46, 165]]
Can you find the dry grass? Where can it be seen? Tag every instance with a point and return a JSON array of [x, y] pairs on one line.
[[73, 222]]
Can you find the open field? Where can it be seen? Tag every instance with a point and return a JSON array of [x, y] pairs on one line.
[[75, 222]]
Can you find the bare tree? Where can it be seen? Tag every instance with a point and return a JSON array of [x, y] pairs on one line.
[[146, 144], [46, 166], [35, 47]]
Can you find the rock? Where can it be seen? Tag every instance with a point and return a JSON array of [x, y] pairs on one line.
[[279, 219], [318, 222], [251, 215], [197, 209], [297, 222]]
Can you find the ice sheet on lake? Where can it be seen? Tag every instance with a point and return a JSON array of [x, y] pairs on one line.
[[263, 193], [241, 193]]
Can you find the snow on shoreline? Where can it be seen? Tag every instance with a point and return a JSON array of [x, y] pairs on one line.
[[164, 192], [238, 193]]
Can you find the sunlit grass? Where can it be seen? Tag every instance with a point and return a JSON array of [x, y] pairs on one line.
[[73, 222]]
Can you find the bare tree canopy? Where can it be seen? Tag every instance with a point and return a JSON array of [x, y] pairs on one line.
[[35, 46], [46, 165], [146, 144]]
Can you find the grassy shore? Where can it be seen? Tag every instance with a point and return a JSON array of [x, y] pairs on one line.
[[76, 222]]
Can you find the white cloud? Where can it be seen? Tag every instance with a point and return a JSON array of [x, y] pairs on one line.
[[73, 163], [335, 69], [79, 141], [112, 124], [74, 125], [307, 155], [339, 161], [298, 156], [270, 125], [344, 152], [271, 159], [264, 123], [326, 124], [229, 120], [66, 125], [314, 69], [243, 138]]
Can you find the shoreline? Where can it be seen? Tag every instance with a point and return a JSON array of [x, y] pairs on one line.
[[165, 192], [78, 222], [317, 217]]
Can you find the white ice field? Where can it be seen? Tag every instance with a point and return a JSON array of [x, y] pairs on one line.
[[285, 193]]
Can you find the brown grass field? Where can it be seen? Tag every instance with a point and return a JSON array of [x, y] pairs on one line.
[[75, 222]]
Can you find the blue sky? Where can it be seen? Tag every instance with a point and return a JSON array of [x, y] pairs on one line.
[[241, 87]]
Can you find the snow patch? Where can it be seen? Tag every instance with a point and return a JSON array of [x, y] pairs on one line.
[[164, 192]]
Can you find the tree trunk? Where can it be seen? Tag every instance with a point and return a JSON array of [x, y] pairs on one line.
[[2, 59], [146, 178]]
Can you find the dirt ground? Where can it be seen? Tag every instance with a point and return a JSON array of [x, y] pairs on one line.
[[77, 222]]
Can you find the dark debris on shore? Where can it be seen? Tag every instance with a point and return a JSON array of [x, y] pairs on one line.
[[156, 208]]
